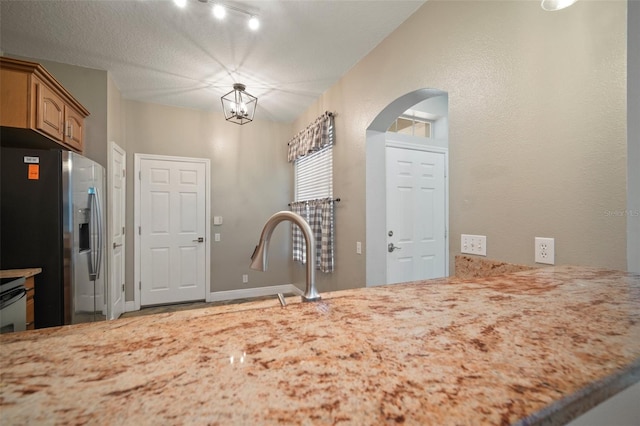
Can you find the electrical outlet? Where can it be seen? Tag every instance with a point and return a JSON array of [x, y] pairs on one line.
[[216, 237], [545, 251], [245, 278], [473, 244]]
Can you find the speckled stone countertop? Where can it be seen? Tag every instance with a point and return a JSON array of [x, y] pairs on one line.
[[535, 346]]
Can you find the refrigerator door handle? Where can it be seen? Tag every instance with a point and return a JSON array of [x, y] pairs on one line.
[[96, 252]]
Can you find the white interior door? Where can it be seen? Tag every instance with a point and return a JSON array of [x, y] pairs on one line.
[[172, 231], [416, 196], [117, 213]]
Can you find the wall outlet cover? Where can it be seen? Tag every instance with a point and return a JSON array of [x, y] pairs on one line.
[[545, 251]]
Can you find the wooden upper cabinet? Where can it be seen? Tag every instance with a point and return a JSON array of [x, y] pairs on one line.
[[49, 111], [33, 100], [73, 130]]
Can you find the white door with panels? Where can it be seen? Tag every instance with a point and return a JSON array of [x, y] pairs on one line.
[[416, 208], [117, 213], [172, 231]]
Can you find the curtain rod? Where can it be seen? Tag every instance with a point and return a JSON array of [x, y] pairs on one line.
[[337, 200]]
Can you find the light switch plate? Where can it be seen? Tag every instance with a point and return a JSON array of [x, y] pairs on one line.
[[473, 244], [217, 220]]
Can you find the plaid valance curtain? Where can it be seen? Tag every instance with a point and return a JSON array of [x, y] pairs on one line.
[[319, 215], [315, 137]]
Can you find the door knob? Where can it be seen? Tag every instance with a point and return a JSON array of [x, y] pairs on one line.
[[199, 240], [391, 248]]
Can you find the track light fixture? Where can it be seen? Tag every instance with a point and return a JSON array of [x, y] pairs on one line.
[[219, 10]]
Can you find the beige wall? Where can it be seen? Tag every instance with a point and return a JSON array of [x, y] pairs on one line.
[[537, 126], [633, 137], [115, 114], [250, 180]]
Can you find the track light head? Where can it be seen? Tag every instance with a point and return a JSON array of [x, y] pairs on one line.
[[254, 23], [219, 11]]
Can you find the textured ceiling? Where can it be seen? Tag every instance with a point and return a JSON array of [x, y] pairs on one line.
[[157, 52]]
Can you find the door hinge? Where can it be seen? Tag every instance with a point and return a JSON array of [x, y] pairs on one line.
[[123, 287], [124, 173], [139, 230], [140, 285], [123, 230]]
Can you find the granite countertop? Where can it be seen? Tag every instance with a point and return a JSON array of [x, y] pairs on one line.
[[540, 345]]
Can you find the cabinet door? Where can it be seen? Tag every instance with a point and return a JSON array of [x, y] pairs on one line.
[[73, 129], [49, 112]]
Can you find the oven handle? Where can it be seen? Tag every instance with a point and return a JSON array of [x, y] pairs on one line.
[[16, 294]]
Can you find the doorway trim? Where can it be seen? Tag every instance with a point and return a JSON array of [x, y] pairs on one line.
[[375, 184], [138, 158], [114, 287]]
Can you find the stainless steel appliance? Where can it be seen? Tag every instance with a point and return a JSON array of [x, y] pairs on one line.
[[13, 305], [51, 217]]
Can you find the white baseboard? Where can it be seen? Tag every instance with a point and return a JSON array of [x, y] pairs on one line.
[[246, 293]]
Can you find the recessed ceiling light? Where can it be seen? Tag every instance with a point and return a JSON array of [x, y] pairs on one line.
[[180, 3]]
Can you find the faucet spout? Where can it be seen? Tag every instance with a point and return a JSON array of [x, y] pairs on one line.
[[259, 258]]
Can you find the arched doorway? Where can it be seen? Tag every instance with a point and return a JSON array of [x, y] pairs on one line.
[[400, 244]]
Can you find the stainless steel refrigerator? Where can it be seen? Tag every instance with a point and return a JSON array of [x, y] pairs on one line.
[[52, 217]]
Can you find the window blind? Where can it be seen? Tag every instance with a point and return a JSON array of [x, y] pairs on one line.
[[314, 175]]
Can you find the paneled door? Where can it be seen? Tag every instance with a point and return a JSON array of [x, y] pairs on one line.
[[117, 213], [172, 231], [416, 243]]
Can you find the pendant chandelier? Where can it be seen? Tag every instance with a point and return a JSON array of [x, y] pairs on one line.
[[238, 105]]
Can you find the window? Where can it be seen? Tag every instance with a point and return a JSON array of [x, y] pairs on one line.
[[314, 172], [413, 126], [313, 191], [314, 175]]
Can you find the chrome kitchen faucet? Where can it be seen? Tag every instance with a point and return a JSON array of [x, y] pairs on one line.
[[259, 257]]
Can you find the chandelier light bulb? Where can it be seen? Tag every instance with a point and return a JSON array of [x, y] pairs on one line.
[[254, 23], [219, 11], [243, 109]]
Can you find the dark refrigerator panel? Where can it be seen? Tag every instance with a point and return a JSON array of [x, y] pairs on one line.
[[31, 225]]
